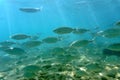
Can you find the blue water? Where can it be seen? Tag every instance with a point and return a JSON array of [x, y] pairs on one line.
[[56, 13], [89, 14]]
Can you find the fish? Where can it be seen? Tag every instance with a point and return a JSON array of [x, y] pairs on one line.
[[114, 47], [20, 36], [108, 52], [80, 43], [15, 51], [4, 47], [117, 23], [63, 30], [35, 37], [32, 43], [50, 40], [58, 50], [93, 67], [7, 43], [110, 33], [31, 68], [29, 75], [80, 31], [29, 9]]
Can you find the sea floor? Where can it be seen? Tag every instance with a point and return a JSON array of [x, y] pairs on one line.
[[72, 66]]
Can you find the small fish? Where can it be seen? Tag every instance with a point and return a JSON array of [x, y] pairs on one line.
[[29, 75], [111, 33], [80, 43], [117, 23], [93, 67], [20, 36], [80, 31], [63, 30], [14, 51], [50, 40], [29, 10], [58, 50], [35, 37], [31, 44], [7, 43], [31, 68], [114, 47], [4, 47], [108, 52]]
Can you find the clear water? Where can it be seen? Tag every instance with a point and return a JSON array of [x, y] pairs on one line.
[[90, 14]]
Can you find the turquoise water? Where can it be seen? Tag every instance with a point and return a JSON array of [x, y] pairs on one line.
[[94, 15], [55, 13]]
